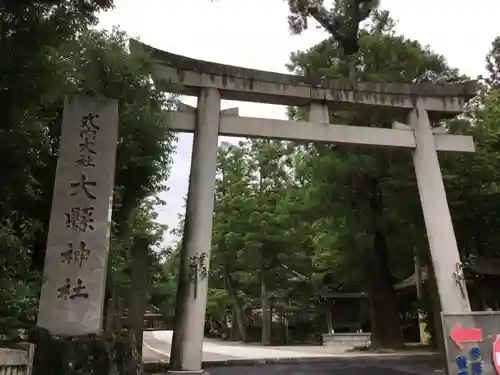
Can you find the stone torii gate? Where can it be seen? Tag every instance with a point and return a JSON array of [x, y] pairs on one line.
[[210, 82]]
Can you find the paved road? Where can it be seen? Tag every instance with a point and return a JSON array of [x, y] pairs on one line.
[[352, 367], [157, 347], [155, 350], [325, 362]]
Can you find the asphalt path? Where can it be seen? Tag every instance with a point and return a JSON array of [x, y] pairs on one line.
[[335, 367], [222, 358], [155, 350]]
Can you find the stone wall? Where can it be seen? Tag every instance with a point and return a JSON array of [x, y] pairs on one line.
[[354, 339], [17, 361]]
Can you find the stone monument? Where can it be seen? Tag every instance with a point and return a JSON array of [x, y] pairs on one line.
[[72, 297]]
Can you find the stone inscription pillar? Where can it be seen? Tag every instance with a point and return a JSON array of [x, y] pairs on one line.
[[187, 343], [72, 297], [441, 236]]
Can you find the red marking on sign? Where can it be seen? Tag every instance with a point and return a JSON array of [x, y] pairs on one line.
[[460, 335], [496, 354]]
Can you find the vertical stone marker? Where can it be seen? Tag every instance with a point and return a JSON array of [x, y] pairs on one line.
[[72, 298]]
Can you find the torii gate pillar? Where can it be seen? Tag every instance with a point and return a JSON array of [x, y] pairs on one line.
[[187, 342], [440, 234]]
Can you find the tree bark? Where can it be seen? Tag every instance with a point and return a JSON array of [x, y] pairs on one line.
[[233, 334], [238, 321], [386, 332], [266, 313], [328, 314], [138, 287]]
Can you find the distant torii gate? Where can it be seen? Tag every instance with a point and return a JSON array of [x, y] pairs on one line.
[[211, 82]]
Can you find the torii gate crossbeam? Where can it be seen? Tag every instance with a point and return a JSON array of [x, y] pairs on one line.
[[400, 136]]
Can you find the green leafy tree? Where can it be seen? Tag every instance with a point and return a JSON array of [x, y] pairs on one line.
[[371, 212], [342, 22], [94, 63], [30, 81], [260, 241]]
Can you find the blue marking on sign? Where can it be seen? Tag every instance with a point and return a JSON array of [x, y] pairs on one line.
[[475, 353], [476, 368], [477, 364], [462, 363], [471, 365]]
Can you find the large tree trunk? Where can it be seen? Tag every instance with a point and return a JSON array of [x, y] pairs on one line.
[[266, 313], [138, 287], [329, 323], [386, 332], [238, 322], [233, 334], [353, 73]]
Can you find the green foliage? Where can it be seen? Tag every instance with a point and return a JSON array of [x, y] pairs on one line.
[[284, 210], [291, 220], [371, 182], [48, 52], [17, 295], [493, 65], [339, 172], [85, 355]]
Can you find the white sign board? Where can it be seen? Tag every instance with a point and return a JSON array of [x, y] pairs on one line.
[[472, 342]]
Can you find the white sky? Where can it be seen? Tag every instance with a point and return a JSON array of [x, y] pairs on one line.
[[254, 34]]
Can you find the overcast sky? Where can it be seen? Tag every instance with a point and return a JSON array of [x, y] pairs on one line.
[[254, 34]]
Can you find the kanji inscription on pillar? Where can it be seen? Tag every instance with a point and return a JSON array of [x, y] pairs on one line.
[[72, 298]]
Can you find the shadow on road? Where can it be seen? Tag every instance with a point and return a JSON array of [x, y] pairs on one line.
[[336, 367]]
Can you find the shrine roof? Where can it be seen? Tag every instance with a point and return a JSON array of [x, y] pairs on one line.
[[481, 265], [411, 281]]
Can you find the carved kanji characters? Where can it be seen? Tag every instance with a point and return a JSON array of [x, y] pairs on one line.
[[80, 219], [77, 255], [82, 186], [77, 292], [88, 134]]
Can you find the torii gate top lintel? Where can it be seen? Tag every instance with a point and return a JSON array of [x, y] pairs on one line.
[[243, 84]]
